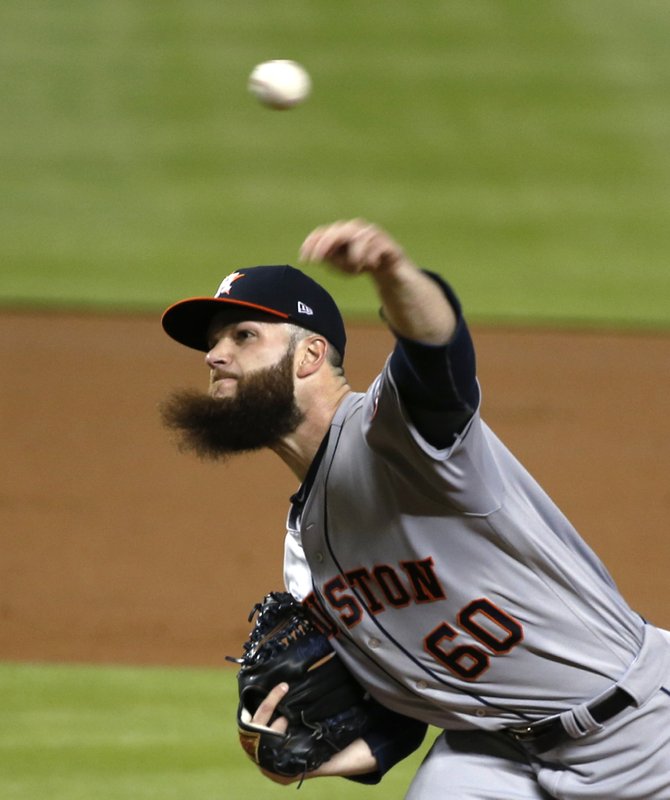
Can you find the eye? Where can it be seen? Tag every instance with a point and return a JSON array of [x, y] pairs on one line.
[[243, 334]]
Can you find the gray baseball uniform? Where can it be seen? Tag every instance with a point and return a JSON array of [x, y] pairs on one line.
[[461, 596], [456, 591]]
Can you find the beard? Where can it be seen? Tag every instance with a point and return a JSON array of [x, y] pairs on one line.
[[260, 414]]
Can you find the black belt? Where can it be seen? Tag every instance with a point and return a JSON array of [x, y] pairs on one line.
[[543, 735]]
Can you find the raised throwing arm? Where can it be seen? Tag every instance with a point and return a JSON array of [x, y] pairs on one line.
[[413, 304]]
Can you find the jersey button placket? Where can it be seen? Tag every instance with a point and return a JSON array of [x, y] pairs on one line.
[[318, 554]]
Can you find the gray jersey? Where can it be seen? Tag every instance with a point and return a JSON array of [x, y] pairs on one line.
[[459, 593]]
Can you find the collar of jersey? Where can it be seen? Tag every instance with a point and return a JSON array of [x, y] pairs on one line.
[[299, 499]]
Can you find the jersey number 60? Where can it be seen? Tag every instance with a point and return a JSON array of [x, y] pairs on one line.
[[495, 629]]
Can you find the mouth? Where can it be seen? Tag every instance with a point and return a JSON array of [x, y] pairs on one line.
[[222, 384]]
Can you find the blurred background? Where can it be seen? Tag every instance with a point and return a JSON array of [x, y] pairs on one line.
[[520, 148]]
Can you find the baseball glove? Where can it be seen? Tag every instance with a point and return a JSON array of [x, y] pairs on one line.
[[324, 706]]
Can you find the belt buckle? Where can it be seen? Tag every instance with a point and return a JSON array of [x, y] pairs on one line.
[[538, 736], [521, 734]]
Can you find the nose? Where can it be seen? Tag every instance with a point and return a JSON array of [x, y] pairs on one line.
[[217, 355]]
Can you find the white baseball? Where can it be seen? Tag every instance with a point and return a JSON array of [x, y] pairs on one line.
[[280, 83]]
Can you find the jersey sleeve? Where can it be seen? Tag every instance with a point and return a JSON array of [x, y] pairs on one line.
[[437, 384], [464, 474]]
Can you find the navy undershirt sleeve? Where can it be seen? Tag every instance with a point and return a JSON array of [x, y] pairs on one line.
[[391, 737], [437, 383]]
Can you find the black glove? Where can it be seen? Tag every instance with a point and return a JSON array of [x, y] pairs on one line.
[[325, 707]]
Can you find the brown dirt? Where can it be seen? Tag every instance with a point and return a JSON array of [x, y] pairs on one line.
[[115, 548]]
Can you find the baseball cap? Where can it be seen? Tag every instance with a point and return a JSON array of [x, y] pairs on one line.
[[278, 290]]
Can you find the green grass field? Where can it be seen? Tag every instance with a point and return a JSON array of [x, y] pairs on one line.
[[101, 733], [520, 147]]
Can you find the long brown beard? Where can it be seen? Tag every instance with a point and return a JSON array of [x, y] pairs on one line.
[[262, 411]]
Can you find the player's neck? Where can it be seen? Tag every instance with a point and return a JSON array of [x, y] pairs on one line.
[[297, 450]]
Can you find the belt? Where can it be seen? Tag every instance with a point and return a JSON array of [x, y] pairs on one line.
[[545, 734]]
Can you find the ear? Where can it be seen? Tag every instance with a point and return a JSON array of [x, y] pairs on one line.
[[310, 355]]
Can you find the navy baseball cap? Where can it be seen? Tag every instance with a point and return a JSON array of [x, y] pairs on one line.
[[278, 290]]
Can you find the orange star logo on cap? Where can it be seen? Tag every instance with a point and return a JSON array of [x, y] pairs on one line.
[[227, 283]]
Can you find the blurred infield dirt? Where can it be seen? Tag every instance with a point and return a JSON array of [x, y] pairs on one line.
[[116, 548]]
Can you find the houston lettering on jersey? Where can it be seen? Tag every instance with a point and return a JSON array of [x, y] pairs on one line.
[[377, 588], [349, 596]]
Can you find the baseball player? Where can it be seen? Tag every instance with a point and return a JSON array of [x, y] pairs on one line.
[[455, 590]]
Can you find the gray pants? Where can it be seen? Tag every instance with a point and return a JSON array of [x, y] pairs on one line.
[[627, 758]]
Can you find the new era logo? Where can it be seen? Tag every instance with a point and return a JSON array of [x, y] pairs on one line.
[[303, 309]]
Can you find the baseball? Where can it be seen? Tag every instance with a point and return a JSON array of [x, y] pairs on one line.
[[280, 83]]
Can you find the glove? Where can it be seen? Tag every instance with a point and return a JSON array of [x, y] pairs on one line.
[[324, 706]]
